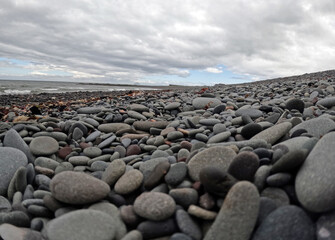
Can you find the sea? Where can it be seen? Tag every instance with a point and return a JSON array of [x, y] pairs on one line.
[[31, 87]]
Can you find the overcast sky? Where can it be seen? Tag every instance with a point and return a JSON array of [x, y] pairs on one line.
[[165, 42]]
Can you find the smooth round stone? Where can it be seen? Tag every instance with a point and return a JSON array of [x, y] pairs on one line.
[[93, 136], [64, 152], [180, 236], [187, 225], [156, 175], [295, 104], [136, 115], [290, 161], [201, 137], [79, 160], [238, 214], [316, 127], [77, 134], [114, 171], [92, 152], [11, 232], [244, 166], [327, 102], [274, 133], [138, 107], [128, 215], [89, 110], [46, 162], [218, 156], [17, 218], [325, 228], [278, 179], [279, 196], [11, 160], [267, 205], [174, 135], [133, 149], [250, 130], [251, 112], [133, 235], [82, 224], [126, 142], [184, 196], [99, 166], [201, 213], [315, 181], [154, 206], [176, 174], [78, 188], [204, 102], [155, 230], [129, 182], [148, 166], [5, 205], [113, 127], [218, 128], [43, 146], [216, 181], [146, 125], [220, 137], [172, 106], [220, 108], [64, 166], [287, 222], [14, 140]]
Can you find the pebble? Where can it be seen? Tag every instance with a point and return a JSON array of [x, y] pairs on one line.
[[129, 182], [218, 156], [201, 213], [272, 134], [114, 171], [176, 174], [187, 225], [204, 102], [250, 130], [238, 214], [113, 127], [244, 166], [155, 230], [172, 106], [184, 196], [11, 232], [251, 112], [295, 103], [43, 146], [85, 224], [316, 127], [154, 206], [325, 228], [314, 182], [78, 188]]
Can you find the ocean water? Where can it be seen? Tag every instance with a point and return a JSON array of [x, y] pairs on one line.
[[30, 87]]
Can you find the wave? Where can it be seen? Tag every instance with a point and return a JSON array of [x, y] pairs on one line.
[[49, 89], [16, 91]]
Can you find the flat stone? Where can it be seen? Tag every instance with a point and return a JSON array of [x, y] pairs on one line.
[[156, 230], [85, 224], [93, 136], [327, 102], [43, 146], [287, 222], [251, 112], [204, 102], [46, 162], [274, 133], [113, 127], [218, 156], [201, 213], [317, 127], [238, 214], [138, 107], [220, 137], [174, 135], [129, 182], [89, 110], [146, 125], [92, 152], [315, 180], [176, 174], [14, 140], [11, 159], [156, 175], [114, 171], [172, 106], [278, 195], [78, 188], [154, 206], [184, 196], [187, 225], [11, 232]]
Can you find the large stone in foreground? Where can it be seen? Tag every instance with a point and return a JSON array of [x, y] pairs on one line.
[[274, 133], [82, 225], [78, 188], [316, 127], [10, 160], [14, 140], [217, 156], [238, 214], [315, 181]]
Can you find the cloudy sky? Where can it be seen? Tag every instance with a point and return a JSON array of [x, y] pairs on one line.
[[165, 42]]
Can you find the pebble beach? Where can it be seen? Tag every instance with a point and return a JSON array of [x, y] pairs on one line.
[[249, 161]]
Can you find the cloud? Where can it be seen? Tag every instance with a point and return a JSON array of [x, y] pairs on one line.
[[124, 41]]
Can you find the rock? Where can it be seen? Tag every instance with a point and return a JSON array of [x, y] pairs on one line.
[[176, 174], [133, 149], [327, 102], [250, 130], [85, 224], [204, 102], [46, 162], [17, 218], [219, 108], [295, 103], [274, 133], [5, 205], [92, 152], [174, 135], [216, 181], [133, 235], [154, 206], [78, 188], [89, 110], [184, 196], [14, 140], [136, 115], [325, 228], [220, 137], [11, 232], [93, 136], [154, 230], [238, 214], [114, 171], [172, 106], [279, 179], [146, 125], [201, 213], [138, 107], [43, 146], [251, 112], [278, 195], [187, 225], [156, 175], [290, 161], [244, 166], [129, 182], [217, 156], [267, 205], [11, 159], [317, 127], [287, 222], [113, 127], [315, 180]]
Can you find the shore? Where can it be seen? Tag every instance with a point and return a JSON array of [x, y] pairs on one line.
[[246, 161]]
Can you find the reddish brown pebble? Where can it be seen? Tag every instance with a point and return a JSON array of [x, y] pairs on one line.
[[133, 150], [186, 144], [196, 185], [84, 145], [63, 152]]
